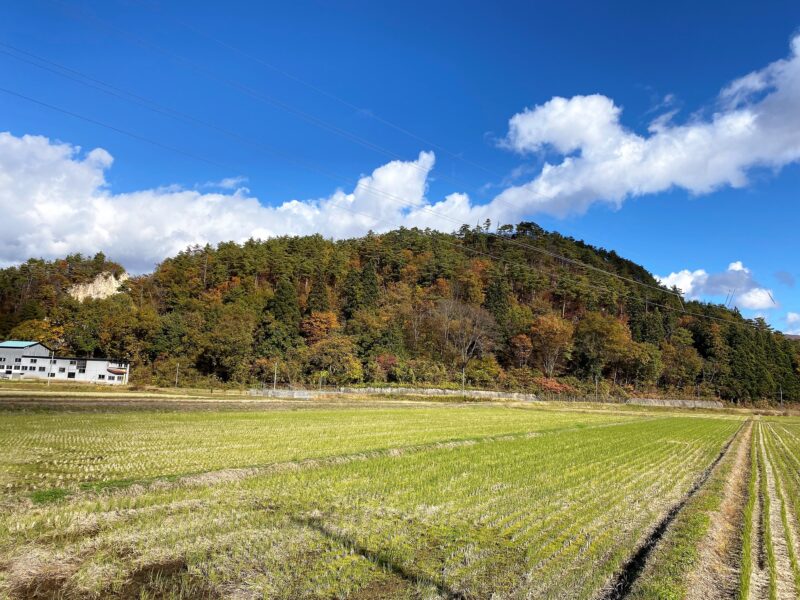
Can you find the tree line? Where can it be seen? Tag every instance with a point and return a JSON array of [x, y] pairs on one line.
[[515, 308]]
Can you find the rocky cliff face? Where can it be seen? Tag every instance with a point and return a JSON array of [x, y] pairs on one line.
[[103, 286]]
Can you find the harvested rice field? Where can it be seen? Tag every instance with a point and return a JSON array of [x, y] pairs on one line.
[[396, 501]]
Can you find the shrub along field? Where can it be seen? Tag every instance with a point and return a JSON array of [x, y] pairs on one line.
[[418, 501]]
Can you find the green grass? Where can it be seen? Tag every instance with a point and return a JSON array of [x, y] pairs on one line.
[[414, 502], [48, 496]]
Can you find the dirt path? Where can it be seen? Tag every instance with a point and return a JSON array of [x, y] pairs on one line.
[[716, 576]]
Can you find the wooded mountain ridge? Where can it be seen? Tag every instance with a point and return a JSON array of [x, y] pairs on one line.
[[516, 308]]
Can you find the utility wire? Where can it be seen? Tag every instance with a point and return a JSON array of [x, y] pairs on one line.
[[371, 217], [193, 65], [323, 92], [156, 107], [154, 6], [135, 136], [107, 88]]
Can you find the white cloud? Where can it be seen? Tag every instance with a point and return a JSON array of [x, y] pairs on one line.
[[755, 299], [757, 124], [687, 281], [738, 266], [55, 200], [793, 321], [737, 280], [227, 183]]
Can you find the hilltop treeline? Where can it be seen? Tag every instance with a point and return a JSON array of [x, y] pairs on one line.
[[502, 310]]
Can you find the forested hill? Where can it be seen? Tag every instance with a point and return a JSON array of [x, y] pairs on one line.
[[520, 308]]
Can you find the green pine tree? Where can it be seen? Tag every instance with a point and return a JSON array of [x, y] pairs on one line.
[[353, 294], [284, 305], [497, 300], [318, 300], [369, 285]]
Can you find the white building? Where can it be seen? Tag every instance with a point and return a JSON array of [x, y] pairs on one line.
[[31, 360]]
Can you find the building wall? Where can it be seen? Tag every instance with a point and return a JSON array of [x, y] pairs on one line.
[[8, 355], [17, 362]]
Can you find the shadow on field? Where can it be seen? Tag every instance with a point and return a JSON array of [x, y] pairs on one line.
[[376, 557]]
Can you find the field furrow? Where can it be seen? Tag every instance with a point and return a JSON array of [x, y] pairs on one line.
[[786, 483], [778, 552]]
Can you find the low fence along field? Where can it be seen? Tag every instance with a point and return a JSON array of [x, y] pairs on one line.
[[418, 501]]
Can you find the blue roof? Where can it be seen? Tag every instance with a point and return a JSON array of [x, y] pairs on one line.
[[16, 344]]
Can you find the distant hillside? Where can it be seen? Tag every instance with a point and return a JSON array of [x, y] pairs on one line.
[[521, 309]]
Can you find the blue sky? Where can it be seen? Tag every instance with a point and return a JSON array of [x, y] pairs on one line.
[[319, 81]]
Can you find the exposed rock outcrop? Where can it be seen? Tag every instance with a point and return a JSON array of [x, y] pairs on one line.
[[102, 286]]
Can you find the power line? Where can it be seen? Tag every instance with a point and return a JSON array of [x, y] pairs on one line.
[[318, 122], [253, 93], [107, 88], [338, 99], [154, 106], [241, 87], [346, 103], [113, 128], [338, 206]]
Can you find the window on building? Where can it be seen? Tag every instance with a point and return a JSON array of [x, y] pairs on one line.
[[81, 370], [101, 376], [33, 361], [2, 359], [71, 375], [61, 369], [42, 369], [54, 361], [24, 368], [16, 367], [51, 374], [17, 360], [72, 362]]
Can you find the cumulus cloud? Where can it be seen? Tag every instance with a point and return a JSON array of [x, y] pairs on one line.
[[737, 281], [793, 322], [756, 124], [55, 200]]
